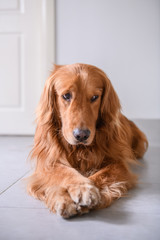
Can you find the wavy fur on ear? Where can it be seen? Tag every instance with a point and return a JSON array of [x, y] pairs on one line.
[[110, 107], [46, 142]]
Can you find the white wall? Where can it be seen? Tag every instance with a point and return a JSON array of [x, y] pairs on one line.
[[123, 38]]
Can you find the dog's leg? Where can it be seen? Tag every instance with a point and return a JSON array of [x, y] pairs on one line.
[[65, 191], [113, 182]]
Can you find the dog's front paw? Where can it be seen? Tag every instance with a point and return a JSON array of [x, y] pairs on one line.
[[85, 195], [59, 201]]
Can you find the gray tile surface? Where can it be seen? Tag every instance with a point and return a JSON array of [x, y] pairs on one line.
[[13, 155], [135, 217], [40, 224]]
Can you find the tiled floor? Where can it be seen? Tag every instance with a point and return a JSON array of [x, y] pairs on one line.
[[135, 217]]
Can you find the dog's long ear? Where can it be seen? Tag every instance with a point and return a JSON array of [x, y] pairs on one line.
[[48, 124], [110, 105], [47, 111]]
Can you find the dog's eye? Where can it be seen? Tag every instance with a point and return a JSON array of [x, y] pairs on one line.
[[67, 97], [94, 98]]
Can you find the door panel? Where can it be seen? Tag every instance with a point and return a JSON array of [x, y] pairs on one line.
[[26, 57]]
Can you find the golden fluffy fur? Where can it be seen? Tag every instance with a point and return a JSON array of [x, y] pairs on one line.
[[73, 176]]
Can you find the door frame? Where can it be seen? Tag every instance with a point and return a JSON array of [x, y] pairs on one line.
[[48, 36]]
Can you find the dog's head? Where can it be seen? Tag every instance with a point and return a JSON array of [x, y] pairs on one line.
[[77, 98]]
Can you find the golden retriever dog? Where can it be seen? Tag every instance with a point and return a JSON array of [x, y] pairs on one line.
[[83, 144]]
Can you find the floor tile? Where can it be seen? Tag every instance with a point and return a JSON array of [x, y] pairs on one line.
[[145, 198], [18, 224], [149, 169], [13, 163], [17, 197]]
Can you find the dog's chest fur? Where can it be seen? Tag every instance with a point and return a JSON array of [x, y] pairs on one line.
[[86, 160]]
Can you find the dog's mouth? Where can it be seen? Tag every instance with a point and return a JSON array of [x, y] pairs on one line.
[[81, 142], [78, 143]]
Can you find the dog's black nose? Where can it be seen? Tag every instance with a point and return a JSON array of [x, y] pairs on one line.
[[81, 134]]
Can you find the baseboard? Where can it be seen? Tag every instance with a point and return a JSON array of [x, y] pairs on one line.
[[151, 127]]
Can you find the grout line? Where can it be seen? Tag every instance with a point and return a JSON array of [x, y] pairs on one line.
[[14, 182]]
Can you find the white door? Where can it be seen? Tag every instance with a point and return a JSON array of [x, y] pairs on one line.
[[26, 56]]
